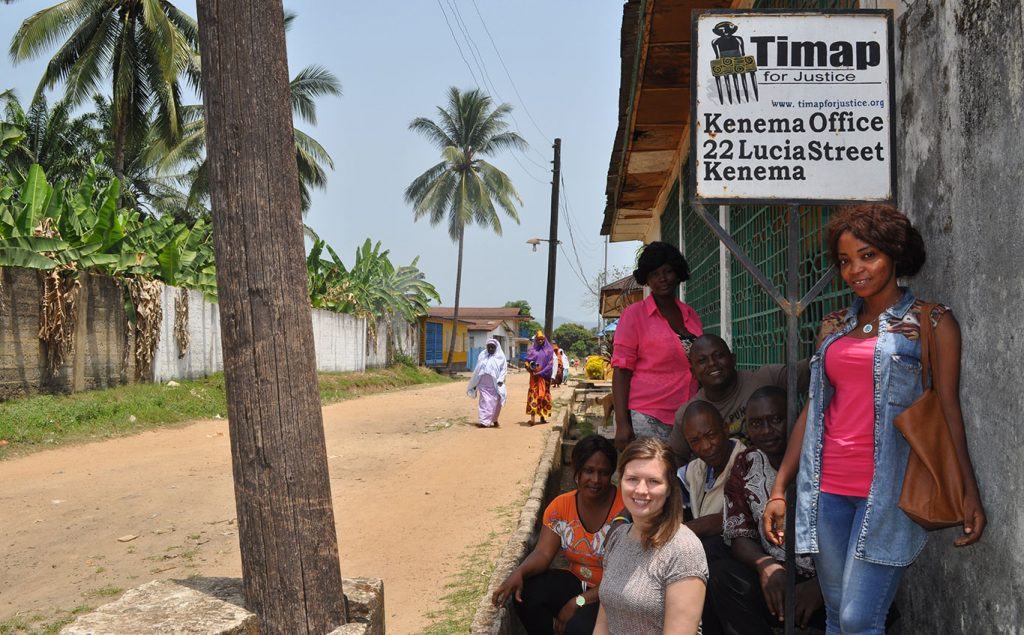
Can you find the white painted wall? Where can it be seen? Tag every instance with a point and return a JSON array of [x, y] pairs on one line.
[[340, 341]]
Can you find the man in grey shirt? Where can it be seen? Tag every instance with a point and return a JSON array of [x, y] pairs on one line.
[[727, 389]]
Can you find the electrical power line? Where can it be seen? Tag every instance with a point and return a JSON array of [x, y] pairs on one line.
[[488, 82], [457, 45], [508, 74]]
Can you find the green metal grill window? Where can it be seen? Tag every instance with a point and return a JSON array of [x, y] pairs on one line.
[[703, 289], [759, 325]]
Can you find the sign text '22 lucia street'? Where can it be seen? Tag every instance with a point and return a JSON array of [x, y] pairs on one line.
[[720, 148]]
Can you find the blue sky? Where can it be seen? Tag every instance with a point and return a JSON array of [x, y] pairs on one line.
[[558, 68]]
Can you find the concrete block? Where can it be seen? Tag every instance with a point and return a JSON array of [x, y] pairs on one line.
[[214, 606], [203, 606]]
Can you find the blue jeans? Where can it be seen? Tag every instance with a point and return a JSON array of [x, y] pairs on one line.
[[857, 593]]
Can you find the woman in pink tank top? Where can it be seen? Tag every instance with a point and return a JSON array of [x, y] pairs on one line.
[[844, 452]]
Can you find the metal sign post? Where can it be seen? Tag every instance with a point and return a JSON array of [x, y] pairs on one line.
[[790, 107]]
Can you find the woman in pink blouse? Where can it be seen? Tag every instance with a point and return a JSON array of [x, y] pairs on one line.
[[651, 377]]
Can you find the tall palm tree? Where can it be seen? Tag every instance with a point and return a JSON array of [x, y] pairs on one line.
[[62, 144], [141, 45], [463, 188], [189, 153]]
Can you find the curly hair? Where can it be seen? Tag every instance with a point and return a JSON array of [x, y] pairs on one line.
[[671, 517], [657, 254], [883, 227], [587, 447]]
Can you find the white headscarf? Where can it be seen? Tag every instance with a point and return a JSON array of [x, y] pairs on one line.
[[494, 365]]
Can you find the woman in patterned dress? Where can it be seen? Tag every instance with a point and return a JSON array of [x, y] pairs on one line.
[[540, 361], [575, 523]]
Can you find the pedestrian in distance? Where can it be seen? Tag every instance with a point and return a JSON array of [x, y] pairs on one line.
[[651, 377], [540, 362], [845, 454], [488, 384]]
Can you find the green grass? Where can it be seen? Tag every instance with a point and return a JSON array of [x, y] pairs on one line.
[[465, 590], [107, 592], [41, 422], [39, 624]]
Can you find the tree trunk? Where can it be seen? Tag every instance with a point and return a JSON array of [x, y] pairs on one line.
[[289, 547], [455, 312]]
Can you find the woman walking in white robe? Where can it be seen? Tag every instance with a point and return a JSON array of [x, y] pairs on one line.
[[488, 382]]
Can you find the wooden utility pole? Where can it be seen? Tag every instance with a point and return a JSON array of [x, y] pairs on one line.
[[286, 532], [549, 306]]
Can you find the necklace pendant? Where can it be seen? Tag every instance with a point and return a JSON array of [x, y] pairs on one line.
[[868, 327]]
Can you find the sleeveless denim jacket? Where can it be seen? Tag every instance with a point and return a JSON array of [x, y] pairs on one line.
[[887, 535]]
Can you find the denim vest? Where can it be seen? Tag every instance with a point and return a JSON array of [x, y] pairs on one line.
[[887, 535]]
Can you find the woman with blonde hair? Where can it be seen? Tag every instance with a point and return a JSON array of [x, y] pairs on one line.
[[655, 570]]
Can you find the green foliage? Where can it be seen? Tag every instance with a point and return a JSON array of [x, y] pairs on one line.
[[188, 154], [50, 136], [78, 225], [529, 326], [141, 46], [581, 349], [372, 288], [575, 338], [522, 305]]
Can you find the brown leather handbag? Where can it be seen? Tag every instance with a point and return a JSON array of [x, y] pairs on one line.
[[933, 487]]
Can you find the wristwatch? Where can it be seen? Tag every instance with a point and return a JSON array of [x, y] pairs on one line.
[[580, 600]]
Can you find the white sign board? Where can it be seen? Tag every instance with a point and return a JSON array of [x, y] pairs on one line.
[[792, 106]]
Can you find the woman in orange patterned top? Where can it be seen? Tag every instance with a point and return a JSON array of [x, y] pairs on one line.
[[565, 601]]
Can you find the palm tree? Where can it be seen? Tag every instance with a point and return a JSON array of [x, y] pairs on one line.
[[142, 45], [463, 187], [190, 151], [62, 144]]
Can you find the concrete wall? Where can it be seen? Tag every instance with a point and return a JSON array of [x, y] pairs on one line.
[[404, 340], [98, 356], [203, 355], [961, 151], [100, 339]]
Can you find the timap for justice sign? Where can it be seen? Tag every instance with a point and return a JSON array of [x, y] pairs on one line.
[[792, 106]]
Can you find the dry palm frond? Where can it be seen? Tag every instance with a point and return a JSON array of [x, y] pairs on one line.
[[181, 335], [57, 315], [145, 294]]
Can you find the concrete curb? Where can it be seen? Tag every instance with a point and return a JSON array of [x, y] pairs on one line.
[[499, 621]]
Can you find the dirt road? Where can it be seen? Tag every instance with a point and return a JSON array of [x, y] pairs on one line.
[[414, 483]]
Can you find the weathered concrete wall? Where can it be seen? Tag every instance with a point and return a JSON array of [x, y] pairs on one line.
[[204, 354], [961, 151], [404, 341], [99, 360], [98, 355], [340, 341]]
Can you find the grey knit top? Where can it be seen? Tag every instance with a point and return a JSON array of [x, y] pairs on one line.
[[633, 587]]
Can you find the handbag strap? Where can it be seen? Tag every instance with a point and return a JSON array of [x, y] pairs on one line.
[[926, 335]]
